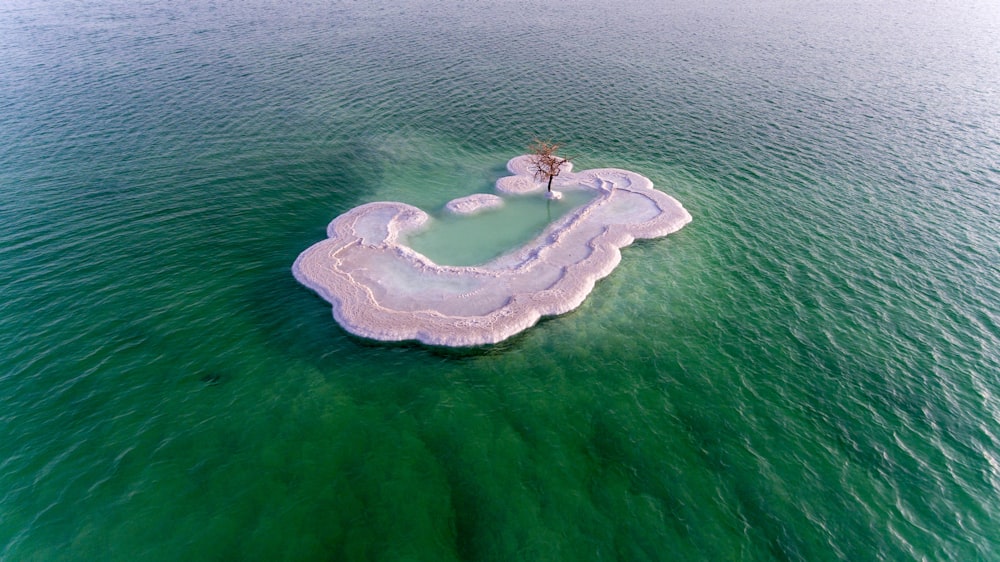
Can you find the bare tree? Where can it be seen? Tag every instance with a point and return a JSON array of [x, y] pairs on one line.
[[544, 161]]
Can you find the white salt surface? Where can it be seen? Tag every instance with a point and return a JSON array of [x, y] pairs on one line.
[[475, 203], [382, 289]]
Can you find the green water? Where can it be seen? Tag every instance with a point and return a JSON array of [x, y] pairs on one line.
[[451, 239], [807, 371]]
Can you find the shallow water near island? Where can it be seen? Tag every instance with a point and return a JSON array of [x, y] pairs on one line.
[[452, 239], [807, 371]]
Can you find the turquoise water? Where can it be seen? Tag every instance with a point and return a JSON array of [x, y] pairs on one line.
[[450, 239], [807, 371]]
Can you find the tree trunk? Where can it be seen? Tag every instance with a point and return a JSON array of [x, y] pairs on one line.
[[550, 183]]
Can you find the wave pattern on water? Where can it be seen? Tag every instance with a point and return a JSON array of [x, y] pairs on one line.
[[808, 371]]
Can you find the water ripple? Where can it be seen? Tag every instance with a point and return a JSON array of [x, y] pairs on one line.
[[807, 371]]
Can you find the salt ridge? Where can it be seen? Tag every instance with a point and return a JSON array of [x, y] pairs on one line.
[[473, 204], [382, 289]]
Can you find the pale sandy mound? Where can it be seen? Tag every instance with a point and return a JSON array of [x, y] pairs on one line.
[[384, 290], [473, 204]]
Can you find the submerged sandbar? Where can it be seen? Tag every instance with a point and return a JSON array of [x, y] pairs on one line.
[[380, 288]]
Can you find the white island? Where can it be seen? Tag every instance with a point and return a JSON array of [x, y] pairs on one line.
[[382, 289]]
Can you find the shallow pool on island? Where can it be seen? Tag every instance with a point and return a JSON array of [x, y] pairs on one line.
[[461, 240]]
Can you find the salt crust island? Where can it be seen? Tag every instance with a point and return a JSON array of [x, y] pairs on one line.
[[382, 289]]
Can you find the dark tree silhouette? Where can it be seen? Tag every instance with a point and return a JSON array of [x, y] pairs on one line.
[[544, 161]]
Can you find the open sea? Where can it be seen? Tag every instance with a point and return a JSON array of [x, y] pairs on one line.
[[810, 370]]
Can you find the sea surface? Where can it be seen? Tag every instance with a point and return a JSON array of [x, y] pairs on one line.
[[810, 370]]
